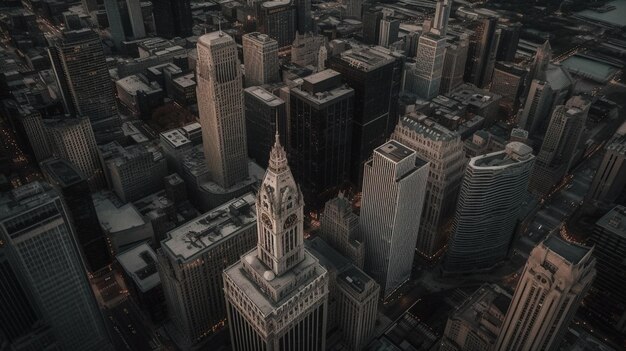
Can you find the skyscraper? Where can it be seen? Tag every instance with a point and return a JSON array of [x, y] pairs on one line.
[[221, 108], [609, 241], [444, 150], [455, 57], [305, 49], [560, 144], [389, 29], [442, 15], [556, 277], [191, 260], [172, 18], [263, 111], [116, 27], [136, 18], [539, 65], [482, 44], [260, 58], [77, 196], [276, 296], [36, 227], [536, 107], [508, 82], [394, 187], [279, 20], [320, 127], [489, 203], [354, 8], [83, 77], [371, 25], [610, 179], [303, 10], [429, 65], [370, 73], [339, 227], [509, 41], [72, 139]]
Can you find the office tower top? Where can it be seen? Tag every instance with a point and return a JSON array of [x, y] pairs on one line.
[[277, 294], [389, 29], [172, 18], [260, 57], [83, 76], [555, 279], [443, 148], [394, 186], [320, 128], [36, 227], [442, 15], [221, 109], [264, 111], [540, 62], [493, 188]]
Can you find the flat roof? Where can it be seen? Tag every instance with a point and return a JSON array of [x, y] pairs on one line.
[[321, 76], [394, 151], [214, 38], [113, 217], [429, 128], [614, 221], [264, 95], [62, 171], [514, 153], [366, 59], [175, 137], [210, 228], [140, 263], [572, 252]]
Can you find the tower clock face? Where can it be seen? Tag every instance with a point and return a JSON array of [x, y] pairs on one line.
[[291, 220], [266, 220]]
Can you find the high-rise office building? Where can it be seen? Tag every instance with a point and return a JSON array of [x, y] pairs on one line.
[[536, 107], [371, 25], [21, 322], [556, 277], [354, 8], [508, 82], [560, 144], [277, 294], [353, 296], [36, 227], [455, 57], [172, 18], [476, 323], [394, 188], [320, 130], [83, 77], [192, 258], [370, 73], [610, 179], [389, 29], [609, 295], [73, 139], [136, 18], [221, 108], [260, 58], [278, 19], [429, 65], [116, 27], [489, 202], [263, 111], [539, 66], [339, 227], [304, 19], [77, 196], [444, 150], [510, 34], [483, 42]]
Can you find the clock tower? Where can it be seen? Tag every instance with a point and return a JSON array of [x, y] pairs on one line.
[[279, 208]]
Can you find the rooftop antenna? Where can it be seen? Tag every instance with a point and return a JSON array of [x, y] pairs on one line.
[[276, 124], [219, 24]]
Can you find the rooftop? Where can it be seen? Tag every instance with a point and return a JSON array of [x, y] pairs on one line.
[[477, 308], [571, 252], [175, 138], [25, 197], [265, 96], [428, 128], [62, 172], [203, 232], [113, 216], [140, 263], [514, 153], [215, 38], [614, 221], [366, 59], [394, 151]]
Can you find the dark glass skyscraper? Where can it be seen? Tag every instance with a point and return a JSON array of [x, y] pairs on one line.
[[75, 191], [370, 73], [320, 129], [263, 111], [172, 18]]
